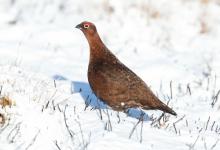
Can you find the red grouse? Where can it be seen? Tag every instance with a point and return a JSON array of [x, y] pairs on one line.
[[112, 81]]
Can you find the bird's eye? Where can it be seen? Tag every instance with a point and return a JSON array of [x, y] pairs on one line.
[[86, 26]]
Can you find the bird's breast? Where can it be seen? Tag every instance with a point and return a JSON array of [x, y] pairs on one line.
[[96, 80]]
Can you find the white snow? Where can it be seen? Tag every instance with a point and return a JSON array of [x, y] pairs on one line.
[[169, 44]]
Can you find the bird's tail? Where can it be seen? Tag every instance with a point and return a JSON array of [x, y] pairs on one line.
[[166, 109]]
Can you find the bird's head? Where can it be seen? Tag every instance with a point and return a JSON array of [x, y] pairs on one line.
[[91, 34], [87, 28]]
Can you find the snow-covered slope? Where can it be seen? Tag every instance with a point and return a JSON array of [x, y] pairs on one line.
[[173, 46]]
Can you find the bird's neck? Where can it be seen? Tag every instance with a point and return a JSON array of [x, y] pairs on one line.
[[97, 47]]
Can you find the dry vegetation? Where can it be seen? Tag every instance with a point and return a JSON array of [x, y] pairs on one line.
[[6, 101]]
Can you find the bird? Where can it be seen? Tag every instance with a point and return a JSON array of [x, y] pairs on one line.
[[113, 82]]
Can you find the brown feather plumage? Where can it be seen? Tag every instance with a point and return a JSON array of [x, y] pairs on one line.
[[112, 81]]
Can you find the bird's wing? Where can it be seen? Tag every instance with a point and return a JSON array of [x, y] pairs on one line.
[[116, 82]]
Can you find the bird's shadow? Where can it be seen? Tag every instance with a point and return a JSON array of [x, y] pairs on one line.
[[91, 100]]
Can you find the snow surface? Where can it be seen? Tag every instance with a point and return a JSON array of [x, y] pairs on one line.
[[173, 46]]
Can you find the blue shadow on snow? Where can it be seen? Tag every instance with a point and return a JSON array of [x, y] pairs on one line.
[[91, 100]]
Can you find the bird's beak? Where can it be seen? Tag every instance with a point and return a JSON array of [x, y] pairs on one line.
[[79, 26]]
